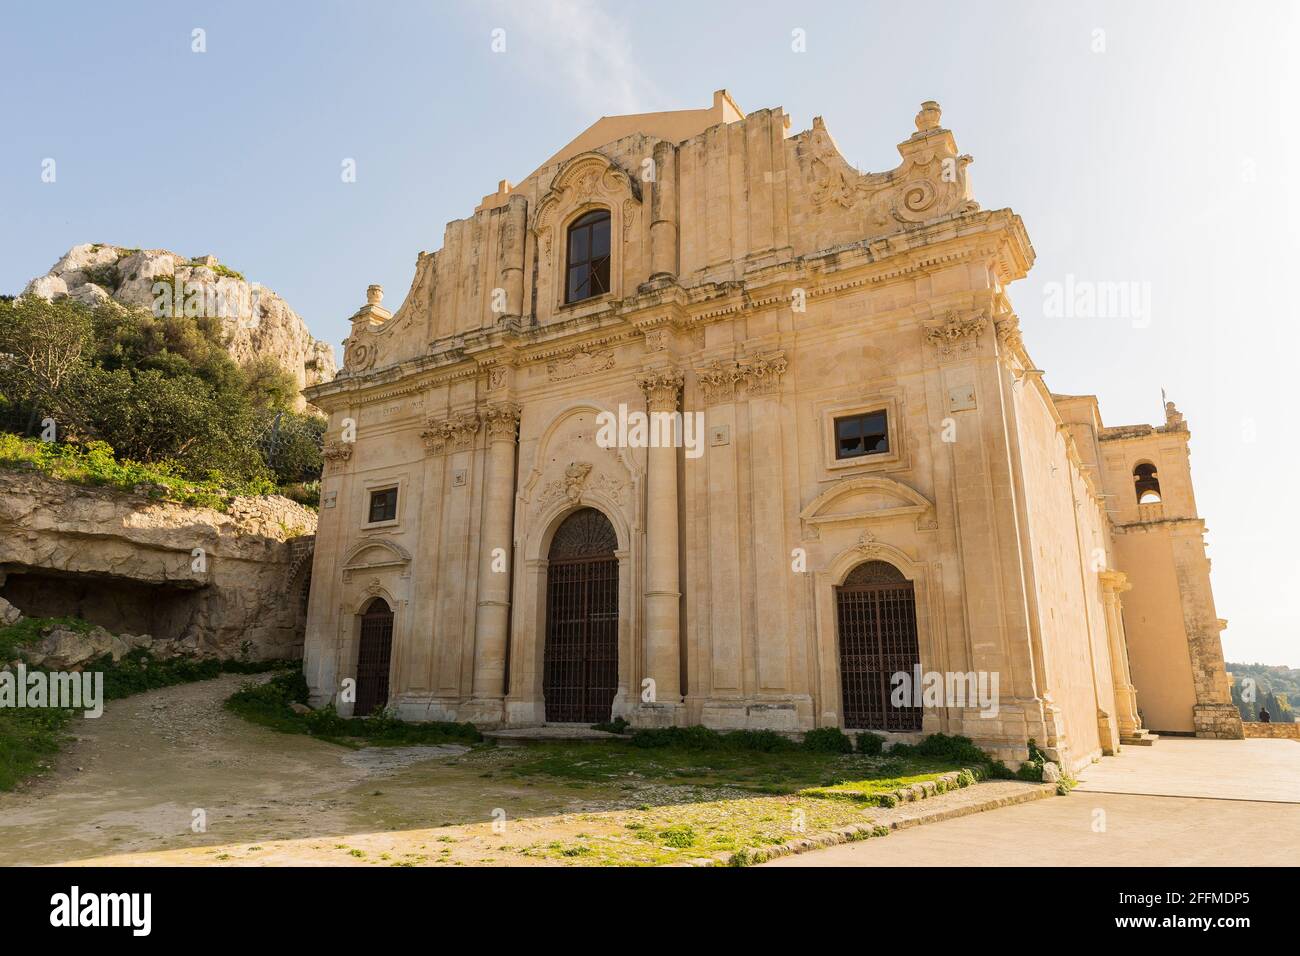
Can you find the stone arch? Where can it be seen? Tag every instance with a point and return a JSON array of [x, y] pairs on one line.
[[526, 699], [373, 668], [920, 576], [580, 649]]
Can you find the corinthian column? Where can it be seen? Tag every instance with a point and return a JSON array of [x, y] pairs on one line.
[[663, 595], [1114, 583], [495, 552]]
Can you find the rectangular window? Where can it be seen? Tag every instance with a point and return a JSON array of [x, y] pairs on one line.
[[859, 435], [383, 505]]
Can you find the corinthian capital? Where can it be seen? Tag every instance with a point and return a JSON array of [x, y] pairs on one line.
[[501, 419], [661, 386], [454, 432]]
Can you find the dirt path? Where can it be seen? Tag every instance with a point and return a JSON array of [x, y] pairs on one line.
[[131, 782], [127, 791]]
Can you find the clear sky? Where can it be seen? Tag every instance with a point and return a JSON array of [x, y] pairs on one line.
[[1161, 151]]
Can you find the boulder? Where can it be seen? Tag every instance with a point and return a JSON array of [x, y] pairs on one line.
[[9, 614], [1051, 772]]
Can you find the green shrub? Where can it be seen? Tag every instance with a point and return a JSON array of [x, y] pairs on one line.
[[871, 745], [1032, 769], [616, 726], [268, 704], [679, 837], [830, 740]]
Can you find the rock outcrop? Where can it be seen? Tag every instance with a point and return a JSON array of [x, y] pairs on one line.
[[224, 583], [258, 322], [66, 649]]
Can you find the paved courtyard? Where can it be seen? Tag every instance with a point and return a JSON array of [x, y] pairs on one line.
[[1183, 802]]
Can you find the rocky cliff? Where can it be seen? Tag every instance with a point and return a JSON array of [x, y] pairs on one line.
[[257, 321], [225, 583]]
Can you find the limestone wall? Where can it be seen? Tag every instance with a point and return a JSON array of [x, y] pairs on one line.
[[128, 563], [1287, 731]]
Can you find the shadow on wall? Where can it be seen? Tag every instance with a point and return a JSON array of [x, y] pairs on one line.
[[122, 605]]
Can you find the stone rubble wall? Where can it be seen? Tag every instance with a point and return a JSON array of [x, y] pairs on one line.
[[246, 600], [1272, 730]]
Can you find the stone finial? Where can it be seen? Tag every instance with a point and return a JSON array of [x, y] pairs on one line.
[[928, 118], [374, 294]]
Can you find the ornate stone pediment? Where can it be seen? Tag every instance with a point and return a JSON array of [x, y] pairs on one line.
[[864, 499], [589, 178], [375, 554]]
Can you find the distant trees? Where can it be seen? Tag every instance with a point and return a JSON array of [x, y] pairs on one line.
[[156, 389], [1273, 687]]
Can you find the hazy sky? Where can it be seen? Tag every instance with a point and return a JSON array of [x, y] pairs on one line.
[[1162, 151]]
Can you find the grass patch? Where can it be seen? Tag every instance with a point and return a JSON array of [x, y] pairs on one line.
[[95, 464], [270, 705]]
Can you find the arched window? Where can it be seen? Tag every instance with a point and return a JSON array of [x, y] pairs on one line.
[[1146, 484], [588, 263]]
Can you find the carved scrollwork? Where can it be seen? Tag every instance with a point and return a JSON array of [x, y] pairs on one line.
[[579, 363]]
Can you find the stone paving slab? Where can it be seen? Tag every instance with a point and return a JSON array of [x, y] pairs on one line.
[[1255, 769], [1087, 829]]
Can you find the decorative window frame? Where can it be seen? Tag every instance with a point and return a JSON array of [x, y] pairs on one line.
[[586, 182], [369, 486], [894, 459]]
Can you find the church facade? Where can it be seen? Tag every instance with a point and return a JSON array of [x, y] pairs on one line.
[[700, 425]]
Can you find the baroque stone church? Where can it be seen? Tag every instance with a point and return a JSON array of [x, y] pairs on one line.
[[884, 489]]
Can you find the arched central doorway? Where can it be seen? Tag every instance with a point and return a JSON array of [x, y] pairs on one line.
[[875, 611], [580, 672], [374, 654]]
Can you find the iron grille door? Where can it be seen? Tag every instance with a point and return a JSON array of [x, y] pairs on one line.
[[877, 631], [581, 661], [373, 658]]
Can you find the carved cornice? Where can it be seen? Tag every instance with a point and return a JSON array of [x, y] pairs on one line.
[[661, 386], [454, 433]]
